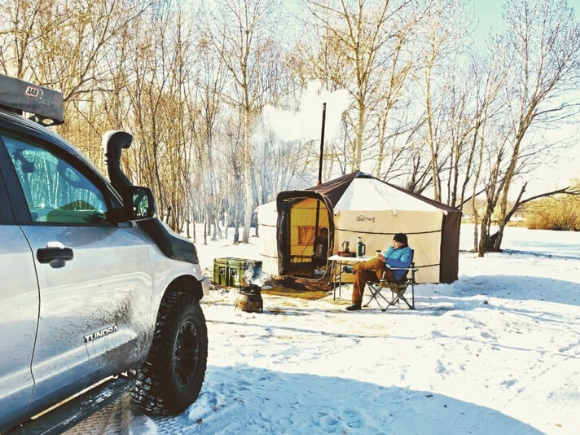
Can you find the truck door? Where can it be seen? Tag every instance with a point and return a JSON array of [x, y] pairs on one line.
[[18, 316], [94, 277]]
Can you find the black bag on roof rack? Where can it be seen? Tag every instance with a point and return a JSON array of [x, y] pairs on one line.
[[44, 104]]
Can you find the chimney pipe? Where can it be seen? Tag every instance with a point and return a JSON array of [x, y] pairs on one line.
[[321, 144]]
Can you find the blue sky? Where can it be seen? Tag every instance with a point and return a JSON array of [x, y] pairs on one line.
[[489, 12]]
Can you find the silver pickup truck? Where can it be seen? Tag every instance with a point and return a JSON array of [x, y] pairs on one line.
[[92, 283]]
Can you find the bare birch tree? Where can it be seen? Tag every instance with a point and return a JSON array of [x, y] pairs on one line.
[[439, 43], [209, 87], [354, 53], [157, 92], [541, 43], [67, 45], [243, 36]]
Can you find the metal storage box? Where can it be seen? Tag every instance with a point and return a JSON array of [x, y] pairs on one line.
[[220, 271]]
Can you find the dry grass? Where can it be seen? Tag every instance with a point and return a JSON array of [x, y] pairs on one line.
[[559, 213]]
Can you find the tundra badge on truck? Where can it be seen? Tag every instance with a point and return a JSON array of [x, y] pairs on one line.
[[101, 333]]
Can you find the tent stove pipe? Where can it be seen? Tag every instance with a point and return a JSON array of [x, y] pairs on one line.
[[320, 168], [321, 144]]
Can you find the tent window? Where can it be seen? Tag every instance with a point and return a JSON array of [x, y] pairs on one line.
[[306, 235]]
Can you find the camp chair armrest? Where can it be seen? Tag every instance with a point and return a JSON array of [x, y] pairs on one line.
[[404, 268]]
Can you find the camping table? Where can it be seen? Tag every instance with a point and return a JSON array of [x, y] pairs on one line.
[[340, 261]]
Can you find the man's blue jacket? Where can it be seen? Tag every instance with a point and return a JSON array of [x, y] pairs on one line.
[[401, 257]]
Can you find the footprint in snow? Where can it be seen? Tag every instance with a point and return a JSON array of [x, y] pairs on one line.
[[352, 418], [328, 422], [509, 382]]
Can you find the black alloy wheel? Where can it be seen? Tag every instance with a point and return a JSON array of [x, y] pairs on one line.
[[170, 380]]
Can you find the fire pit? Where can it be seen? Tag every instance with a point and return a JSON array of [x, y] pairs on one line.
[[249, 299]]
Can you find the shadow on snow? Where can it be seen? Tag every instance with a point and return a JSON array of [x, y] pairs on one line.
[[249, 400]]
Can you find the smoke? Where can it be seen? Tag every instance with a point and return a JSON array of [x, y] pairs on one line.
[[253, 274], [305, 123]]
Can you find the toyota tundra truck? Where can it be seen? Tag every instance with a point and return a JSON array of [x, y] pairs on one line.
[[92, 284]]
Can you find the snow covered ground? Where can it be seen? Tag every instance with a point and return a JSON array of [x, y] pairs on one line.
[[497, 352]]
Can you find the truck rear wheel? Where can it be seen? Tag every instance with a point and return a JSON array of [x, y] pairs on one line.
[[171, 378]]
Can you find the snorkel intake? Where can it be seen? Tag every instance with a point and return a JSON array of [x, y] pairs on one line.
[[172, 245]]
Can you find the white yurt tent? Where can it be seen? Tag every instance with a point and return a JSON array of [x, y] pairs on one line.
[[359, 205]]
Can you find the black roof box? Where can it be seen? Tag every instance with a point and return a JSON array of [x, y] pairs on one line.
[[19, 96]]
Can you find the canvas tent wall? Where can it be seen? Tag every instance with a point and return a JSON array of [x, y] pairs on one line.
[[359, 205], [268, 231]]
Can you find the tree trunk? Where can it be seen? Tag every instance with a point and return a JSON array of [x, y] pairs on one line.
[[249, 203]]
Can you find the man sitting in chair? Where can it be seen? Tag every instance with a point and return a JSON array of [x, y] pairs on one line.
[[398, 255]]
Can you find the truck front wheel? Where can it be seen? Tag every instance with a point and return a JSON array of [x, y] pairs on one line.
[[171, 378]]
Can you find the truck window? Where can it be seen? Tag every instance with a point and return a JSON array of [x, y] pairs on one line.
[[55, 191]]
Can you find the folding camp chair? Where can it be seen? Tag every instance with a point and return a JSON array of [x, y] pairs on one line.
[[397, 289]]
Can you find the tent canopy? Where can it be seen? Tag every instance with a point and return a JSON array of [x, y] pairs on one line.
[[359, 205]]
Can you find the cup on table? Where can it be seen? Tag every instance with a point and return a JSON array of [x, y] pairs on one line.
[[378, 252]]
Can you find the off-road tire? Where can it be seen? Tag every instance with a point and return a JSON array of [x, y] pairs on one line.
[[171, 378]]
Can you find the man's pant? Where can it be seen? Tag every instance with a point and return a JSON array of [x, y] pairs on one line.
[[371, 270]]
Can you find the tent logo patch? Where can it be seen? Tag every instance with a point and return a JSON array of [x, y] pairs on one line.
[[362, 218]]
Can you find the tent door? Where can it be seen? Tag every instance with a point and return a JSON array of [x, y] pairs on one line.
[[309, 239]]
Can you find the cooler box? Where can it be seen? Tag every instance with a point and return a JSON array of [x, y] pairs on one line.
[[220, 271]]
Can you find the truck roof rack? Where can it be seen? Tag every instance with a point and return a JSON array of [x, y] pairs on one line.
[[45, 105]]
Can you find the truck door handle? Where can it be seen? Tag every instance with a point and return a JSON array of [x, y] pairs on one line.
[[54, 251]]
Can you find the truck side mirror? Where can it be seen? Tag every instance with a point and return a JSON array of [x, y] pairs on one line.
[[138, 203]]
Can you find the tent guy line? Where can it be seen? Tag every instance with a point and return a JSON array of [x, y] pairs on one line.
[[388, 233]]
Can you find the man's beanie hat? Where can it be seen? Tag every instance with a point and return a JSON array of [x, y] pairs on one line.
[[401, 238]]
